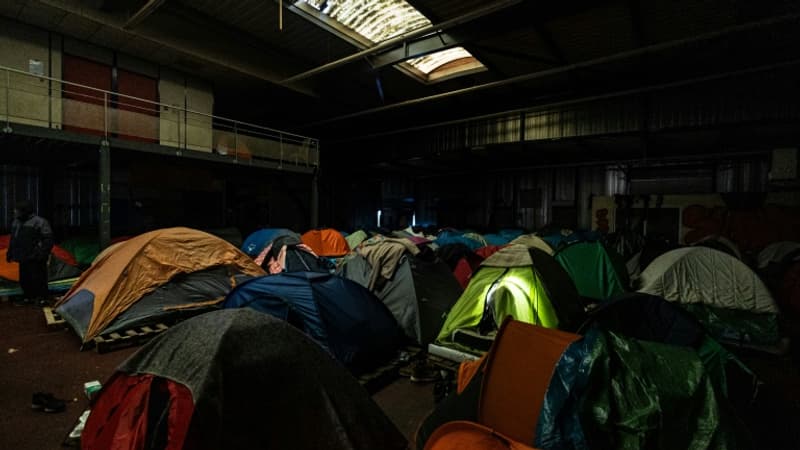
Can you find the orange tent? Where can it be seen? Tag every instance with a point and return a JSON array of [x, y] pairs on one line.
[[326, 242], [515, 376], [463, 435], [126, 271], [9, 270]]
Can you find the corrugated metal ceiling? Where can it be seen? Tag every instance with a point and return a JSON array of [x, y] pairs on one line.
[[525, 38]]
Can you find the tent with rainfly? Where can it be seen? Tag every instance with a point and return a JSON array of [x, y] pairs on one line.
[[718, 289], [526, 284], [153, 276], [235, 379], [592, 269], [340, 315]]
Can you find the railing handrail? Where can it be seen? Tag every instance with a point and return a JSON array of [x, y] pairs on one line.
[[181, 108]]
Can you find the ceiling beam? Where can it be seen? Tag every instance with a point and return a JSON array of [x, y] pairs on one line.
[[516, 55], [143, 13], [414, 49], [591, 63], [399, 41], [467, 35], [187, 31]]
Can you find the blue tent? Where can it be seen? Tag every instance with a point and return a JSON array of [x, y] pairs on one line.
[[258, 240], [503, 237], [557, 239], [446, 237], [339, 314]]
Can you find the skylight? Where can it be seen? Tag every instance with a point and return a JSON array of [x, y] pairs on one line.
[[378, 20]]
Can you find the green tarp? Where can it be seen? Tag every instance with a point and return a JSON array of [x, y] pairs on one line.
[[736, 325], [611, 392]]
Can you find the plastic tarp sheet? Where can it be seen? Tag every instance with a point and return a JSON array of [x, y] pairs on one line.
[[735, 325], [615, 393]]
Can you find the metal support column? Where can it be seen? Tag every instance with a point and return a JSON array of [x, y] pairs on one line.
[[314, 209], [7, 127], [104, 180]]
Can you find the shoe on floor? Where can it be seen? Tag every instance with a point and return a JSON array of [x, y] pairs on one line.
[[424, 372], [45, 401], [39, 399]]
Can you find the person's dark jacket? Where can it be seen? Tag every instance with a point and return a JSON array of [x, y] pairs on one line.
[[31, 239]]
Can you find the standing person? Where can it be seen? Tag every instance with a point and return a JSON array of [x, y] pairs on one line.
[[30, 245]]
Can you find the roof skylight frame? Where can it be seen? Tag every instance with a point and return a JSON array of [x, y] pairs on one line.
[[430, 68]]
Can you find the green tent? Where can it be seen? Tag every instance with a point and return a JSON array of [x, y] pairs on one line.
[[84, 248], [592, 269], [526, 284]]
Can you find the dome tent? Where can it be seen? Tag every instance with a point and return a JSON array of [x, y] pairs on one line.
[[728, 297], [235, 379], [153, 276]]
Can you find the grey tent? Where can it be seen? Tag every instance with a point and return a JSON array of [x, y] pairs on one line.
[[419, 294], [719, 289], [235, 379]]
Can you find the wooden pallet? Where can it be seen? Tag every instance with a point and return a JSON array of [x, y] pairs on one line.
[[135, 336], [54, 320]]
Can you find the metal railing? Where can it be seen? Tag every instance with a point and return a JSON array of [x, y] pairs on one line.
[[43, 101]]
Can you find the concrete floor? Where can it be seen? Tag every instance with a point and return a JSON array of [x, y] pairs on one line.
[[33, 358]]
